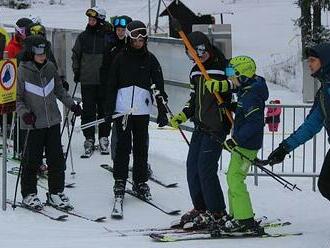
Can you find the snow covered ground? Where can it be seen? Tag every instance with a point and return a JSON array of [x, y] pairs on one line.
[[262, 29]]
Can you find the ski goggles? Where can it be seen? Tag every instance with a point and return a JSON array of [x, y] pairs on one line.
[[91, 13], [137, 33], [200, 50], [37, 29], [120, 22], [40, 49], [20, 31]]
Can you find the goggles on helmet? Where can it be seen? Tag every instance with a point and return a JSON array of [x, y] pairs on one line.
[[200, 50], [120, 22], [137, 33], [20, 31], [39, 49], [91, 13], [37, 29]]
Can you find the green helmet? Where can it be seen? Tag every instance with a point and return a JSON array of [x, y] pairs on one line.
[[243, 66]]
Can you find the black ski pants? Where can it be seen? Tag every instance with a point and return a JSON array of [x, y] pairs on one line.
[[324, 178], [136, 131], [93, 97], [38, 141]]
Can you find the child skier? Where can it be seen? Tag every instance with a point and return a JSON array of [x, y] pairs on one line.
[[204, 152], [247, 137], [38, 86]]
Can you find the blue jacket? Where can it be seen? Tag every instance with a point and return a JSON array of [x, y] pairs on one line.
[[319, 115], [249, 115]]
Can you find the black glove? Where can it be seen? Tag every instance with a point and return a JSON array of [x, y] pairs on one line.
[[108, 118], [278, 155], [65, 85], [162, 119], [229, 145], [76, 109], [29, 118], [76, 77]]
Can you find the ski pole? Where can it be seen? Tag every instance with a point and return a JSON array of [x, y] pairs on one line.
[[67, 113], [155, 92], [69, 149], [20, 166], [278, 178], [102, 120], [178, 28]]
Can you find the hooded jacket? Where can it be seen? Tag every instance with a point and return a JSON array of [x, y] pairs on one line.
[[319, 115], [37, 91]]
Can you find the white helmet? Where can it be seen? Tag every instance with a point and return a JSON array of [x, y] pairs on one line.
[[97, 13]]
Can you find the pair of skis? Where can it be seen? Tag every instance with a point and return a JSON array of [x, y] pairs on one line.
[[59, 214], [117, 211]]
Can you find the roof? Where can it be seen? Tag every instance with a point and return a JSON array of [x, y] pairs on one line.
[[200, 7]]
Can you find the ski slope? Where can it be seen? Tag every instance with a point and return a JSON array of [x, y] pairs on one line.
[[262, 29]]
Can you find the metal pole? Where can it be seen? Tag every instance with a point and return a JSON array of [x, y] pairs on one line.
[[93, 3], [157, 15], [4, 161], [149, 9]]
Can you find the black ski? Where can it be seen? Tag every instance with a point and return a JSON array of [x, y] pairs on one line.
[[154, 204], [117, 210], [152, 178], [206, 235], [79, 214], [45, 211], [87, 155]]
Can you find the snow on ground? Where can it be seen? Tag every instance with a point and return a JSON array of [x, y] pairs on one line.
[[260, 28]]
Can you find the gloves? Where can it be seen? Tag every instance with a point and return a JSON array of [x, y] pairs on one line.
[[29, 118], [178, 119], [214, 85], [108, 118], [278, 155], [162, 117], [231, 106], [230, 145], [76, 109], [76, 77], [65, 85]]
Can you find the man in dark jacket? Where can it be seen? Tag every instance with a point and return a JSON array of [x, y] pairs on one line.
[[87, 58], [318, 117], [133, 72], [204, 150]]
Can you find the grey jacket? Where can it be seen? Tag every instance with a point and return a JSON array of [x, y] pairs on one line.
[[37, 91]]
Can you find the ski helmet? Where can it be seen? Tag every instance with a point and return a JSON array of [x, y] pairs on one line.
[[135, 30], [97, 13], [22, 26], [121, 21], [243, 66], [37, 28], [198, 39]]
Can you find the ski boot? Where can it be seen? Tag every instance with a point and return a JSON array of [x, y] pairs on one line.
[[119, 188], [142, 190], [246, 226], [59, 200], [89, 148], [32, 201], [204, 220], [104, 145]]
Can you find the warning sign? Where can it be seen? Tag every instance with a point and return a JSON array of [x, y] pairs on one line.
[[8, 78]]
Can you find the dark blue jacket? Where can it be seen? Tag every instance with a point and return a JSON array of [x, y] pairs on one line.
[[319, 115], [249, 114]]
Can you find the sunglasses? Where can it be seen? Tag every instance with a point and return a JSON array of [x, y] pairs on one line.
[[91, 13], [120, 22], [137, 33]]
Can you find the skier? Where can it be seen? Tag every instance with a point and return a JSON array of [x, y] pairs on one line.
[[38, 86], [319, 65], [133, 72], [87, 58], [247, 137], [204, 151]]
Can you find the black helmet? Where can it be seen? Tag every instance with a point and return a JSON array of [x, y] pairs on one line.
[[37, 29], [198, 38], [22, 26], [136, 29], [121, 21]]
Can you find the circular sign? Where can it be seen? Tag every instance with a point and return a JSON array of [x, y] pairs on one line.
[[8, 75]]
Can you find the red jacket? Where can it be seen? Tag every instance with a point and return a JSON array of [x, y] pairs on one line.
[[13, 48]]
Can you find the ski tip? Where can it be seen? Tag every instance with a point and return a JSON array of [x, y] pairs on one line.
[[174, 212], [172, 185], [100, 219], [117, 216], [62, 217]]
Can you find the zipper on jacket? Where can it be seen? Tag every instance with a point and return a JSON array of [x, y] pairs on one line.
[[44, 98], [132, 100], [200, 98]]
